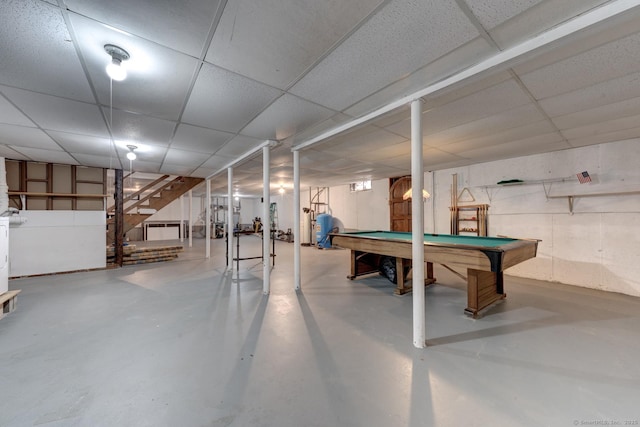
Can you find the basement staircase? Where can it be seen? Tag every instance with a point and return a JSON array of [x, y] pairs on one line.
[[145, 202]]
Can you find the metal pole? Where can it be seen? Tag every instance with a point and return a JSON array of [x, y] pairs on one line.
[[417, 225], [297, 235], [190, 218], [266, 222], [208, 221], [230, 218], [118, 226], [181, 218]]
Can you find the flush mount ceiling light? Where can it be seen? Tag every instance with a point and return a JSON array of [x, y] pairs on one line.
[[131, 155], [115, 70]]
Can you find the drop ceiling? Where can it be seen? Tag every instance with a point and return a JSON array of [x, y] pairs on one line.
[[209, 81]]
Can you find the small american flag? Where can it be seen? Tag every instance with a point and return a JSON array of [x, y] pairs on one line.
[[583, 177]]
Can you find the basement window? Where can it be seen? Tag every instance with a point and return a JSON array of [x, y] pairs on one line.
[[360, 186]]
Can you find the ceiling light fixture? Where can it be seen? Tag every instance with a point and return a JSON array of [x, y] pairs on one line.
[[131, 155], [407, 195], [115, 70], [281, 190]]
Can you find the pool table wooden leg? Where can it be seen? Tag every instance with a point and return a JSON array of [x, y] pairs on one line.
[[483, 289], [403, 265]]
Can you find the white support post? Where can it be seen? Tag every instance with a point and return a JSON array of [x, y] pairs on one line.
[[296, 220], [230, 218], [181, 218], [417, 225], [190, 218], [266, 223], [208, 221]]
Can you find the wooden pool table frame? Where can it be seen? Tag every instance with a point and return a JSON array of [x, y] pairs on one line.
[[485, 265]]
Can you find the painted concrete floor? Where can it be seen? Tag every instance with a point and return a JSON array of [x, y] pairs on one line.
[[185, 344]]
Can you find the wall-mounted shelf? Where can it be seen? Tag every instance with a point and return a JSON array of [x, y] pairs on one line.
[[571, 197], [546, 185]]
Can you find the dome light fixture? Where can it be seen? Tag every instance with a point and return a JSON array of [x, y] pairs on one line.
[[115, 70], [131, 155], [281, 189]]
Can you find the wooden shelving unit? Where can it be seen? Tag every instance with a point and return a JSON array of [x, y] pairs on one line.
[[469, 219]]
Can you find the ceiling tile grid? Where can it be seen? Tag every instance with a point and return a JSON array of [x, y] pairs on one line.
[[182, 25], [276, 41], [37, 52], [226, 101], [210, 80], [353, 70]]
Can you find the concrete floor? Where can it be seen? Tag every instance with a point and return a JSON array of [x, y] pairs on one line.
[[185, 344]]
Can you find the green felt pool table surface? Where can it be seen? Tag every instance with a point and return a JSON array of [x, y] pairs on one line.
[[487, 242]]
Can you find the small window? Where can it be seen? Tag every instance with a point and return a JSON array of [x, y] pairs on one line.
[[360, 186]]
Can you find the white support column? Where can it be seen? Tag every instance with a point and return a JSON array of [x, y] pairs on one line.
[[297, 241], [190, 218], [208, 220], [266, 223], [181, 218], [230, 218], [417, 225]]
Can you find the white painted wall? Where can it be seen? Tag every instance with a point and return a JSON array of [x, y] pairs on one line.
[[57, 241], [596, 247]]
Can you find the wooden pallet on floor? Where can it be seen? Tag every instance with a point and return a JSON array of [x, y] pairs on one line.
[[8, 302], [133, 255]]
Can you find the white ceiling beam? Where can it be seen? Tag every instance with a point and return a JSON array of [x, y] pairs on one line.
[[496, 62]]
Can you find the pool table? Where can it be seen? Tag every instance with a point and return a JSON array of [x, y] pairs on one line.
[[485, 259]]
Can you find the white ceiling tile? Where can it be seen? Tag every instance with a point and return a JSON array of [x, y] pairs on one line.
[[9, 153], [286, 116], [199, 139], [492, 13], [33, 34], [217, 162], [83, 144], [529, 130], [40, 155], [455, 61], [604, 93], [434, 157], [180, 25], [601, 138], [487, 126], [138, 129], [380, 153], [356, 68], [607, 62], [226, 101], [183, 158], [315, 130], [26, 137], [525, 147], [528, 23], [146, 153], [11, 115], [276, 41], [176, 170], [602, 127], [362, 140], [485, 103], [98, 161], [616, 110], [158, 78], [202, 172], [238, 146], [142, 166], [54, 113]]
